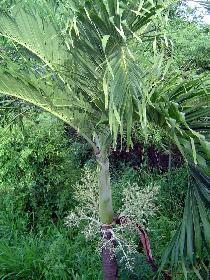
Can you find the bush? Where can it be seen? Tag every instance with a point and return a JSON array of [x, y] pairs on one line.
[[38, 168]]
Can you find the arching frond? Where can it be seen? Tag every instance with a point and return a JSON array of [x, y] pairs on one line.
[[191, 243], [24, 26], [180, 108], [50, 97], [102, 39], [97, 35]]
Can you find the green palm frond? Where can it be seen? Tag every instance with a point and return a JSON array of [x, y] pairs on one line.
[[180, 108], [101, 40], [12, 111], [46, 93], [25, 27], [191, 243], [41, 96], [97, 34]]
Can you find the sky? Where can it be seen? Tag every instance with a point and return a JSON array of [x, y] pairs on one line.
[[200, 11]]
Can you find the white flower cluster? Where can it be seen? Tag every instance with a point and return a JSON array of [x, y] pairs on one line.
[[139, 203], [86, 192], [138, 206]]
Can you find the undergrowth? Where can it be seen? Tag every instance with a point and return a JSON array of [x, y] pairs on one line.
[[40, 167]]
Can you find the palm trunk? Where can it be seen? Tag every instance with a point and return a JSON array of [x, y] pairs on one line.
[[106, 216]]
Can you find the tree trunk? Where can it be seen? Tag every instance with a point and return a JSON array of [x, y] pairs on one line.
[[109, 261], [106, 216]]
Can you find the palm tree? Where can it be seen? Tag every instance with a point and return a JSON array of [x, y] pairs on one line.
[[84, 62]]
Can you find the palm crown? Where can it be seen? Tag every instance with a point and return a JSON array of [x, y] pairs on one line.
[[92, 60]]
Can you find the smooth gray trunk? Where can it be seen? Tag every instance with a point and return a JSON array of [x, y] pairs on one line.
[[109, 262], [105, 195]]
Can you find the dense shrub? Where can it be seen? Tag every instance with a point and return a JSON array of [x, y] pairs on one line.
[[191, 52], [38, 167]]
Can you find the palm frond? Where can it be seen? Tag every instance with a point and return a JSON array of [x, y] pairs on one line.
[[94, 79], [25, 27], [109, 69], [180, 109], [48, 96], [97, 34], [191, 243]]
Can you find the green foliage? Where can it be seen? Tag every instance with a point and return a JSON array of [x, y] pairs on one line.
[[36, 245], [157, 136], [82, 71], [92, 78], [58, 254], [191, 46], [170, 202], [38, 167], [171, 198]]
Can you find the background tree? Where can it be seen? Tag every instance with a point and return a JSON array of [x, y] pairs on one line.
[[186, 25], [91, 74]]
